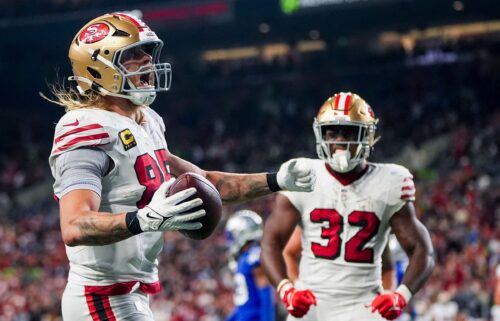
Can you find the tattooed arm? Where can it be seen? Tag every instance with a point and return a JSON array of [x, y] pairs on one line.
[[82, 224], [232, 187], [239, 187]]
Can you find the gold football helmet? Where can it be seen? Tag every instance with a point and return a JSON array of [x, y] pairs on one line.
[[349, 112], [99, 50]]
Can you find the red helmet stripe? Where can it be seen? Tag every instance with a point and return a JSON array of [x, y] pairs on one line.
[[336, 103], [132, 19], [347, 104]]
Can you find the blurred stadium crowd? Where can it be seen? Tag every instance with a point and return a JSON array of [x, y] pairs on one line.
[[439, 118]]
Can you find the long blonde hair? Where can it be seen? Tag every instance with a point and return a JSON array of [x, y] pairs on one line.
[[71, 99]]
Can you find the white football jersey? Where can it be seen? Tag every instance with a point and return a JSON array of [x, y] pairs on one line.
[[346, 227], [139, 154]]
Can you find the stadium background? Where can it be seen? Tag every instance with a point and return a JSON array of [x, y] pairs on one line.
[[249, 76]]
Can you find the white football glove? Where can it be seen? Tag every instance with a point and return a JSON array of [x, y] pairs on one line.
[[296, 175], [164, 212]]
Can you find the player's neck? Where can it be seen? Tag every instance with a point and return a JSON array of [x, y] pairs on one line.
[[351, 176], [126, 108]]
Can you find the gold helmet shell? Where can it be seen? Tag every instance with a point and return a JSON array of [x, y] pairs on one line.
[[96, 51], [346, 109]]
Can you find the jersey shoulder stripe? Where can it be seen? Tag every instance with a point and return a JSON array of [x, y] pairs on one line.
[[91, 135], [83, 128], [76, 131]]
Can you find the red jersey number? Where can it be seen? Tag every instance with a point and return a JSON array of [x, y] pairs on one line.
[[331, 233], [355, 250], [150, 174]]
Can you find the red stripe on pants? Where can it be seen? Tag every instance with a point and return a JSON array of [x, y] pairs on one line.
[[92, 310], [100, 307], [107, 308]]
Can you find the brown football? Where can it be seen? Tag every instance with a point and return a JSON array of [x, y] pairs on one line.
[[212, 203]]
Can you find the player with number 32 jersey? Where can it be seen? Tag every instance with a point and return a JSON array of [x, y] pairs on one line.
[[346, 221], [345, 231]]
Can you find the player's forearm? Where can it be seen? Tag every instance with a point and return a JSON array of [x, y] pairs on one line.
[[232, 187], [239, 187], [292, 265], [96, 228], [272, 261], [421, 263], [388, 280]]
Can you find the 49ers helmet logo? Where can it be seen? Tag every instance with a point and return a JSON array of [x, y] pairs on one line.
[[94, 33]]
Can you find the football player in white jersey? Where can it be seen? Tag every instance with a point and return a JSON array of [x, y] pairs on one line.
[[112, 171], [346, 221], [291, 255]]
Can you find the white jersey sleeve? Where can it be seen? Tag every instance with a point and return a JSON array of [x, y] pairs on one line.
[[81, 168], [80, 128], [401, 190]]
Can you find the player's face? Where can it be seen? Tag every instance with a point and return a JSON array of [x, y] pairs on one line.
[[136, 58], [339, 135]]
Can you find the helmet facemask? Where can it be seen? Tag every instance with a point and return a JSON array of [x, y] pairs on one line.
[[355, 146], [142, 84]]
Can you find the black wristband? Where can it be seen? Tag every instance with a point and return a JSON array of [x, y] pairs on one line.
[[272, 182], [133, 223]]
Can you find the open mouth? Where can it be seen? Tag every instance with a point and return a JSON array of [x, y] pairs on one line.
[[339, 149], [145, 80]]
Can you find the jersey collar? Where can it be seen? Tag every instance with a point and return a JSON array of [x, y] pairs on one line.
[[346, 178]]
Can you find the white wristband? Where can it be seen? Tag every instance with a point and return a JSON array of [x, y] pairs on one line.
[[405, 292], [284, 286]]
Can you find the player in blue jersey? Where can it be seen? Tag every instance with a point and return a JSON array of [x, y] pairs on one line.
[[253, 296], [400, 258]]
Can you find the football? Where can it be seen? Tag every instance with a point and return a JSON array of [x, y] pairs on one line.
[[212, 203]]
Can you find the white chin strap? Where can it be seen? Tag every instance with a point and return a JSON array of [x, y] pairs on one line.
[[341, 161], [141, 97], [138, 98]]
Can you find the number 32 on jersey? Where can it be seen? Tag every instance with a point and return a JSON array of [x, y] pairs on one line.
[[355, 250]]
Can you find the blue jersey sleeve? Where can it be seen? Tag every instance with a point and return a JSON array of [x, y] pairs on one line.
[[266, 298]]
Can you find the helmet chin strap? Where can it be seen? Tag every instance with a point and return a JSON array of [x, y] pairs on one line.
[[141, 98], [341, 161], [138, 98]]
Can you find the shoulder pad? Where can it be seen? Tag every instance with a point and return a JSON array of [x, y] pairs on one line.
[[253, 256], [402, 181], [80, 128], [153, 115]]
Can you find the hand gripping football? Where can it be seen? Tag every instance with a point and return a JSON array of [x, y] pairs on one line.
[[212, 203]]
